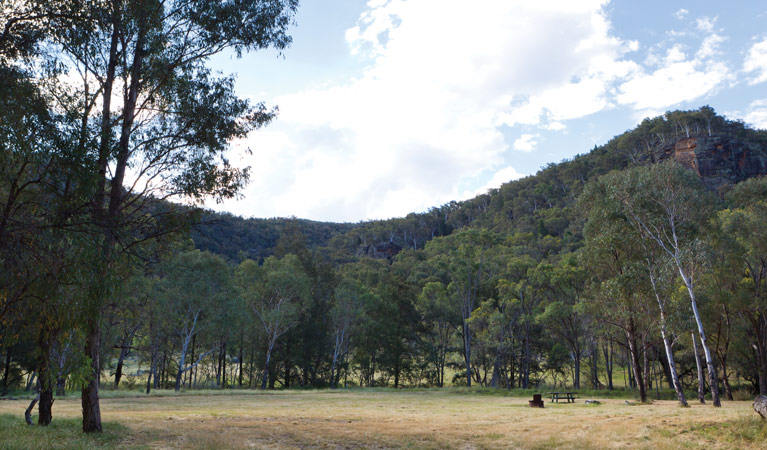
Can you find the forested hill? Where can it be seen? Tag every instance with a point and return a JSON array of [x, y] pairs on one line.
[[238, 238], [721, 151]]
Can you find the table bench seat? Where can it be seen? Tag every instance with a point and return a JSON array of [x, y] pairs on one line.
[[557, 396]]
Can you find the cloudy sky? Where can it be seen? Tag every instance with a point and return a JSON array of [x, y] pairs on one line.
[[394, 106]]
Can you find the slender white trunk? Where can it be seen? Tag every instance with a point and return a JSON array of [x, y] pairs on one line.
[[666, 343], [712, 381]]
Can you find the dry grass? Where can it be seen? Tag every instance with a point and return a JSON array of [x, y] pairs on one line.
[[384, 419]]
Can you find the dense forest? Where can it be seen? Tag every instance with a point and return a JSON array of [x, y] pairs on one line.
[[639, 265]]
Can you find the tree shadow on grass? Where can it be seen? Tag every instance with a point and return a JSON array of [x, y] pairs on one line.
[[62, 433]]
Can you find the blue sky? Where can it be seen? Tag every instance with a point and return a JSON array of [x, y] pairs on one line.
[[394, 106]]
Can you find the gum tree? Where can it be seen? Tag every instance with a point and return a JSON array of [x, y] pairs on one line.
[[667, 207], [277, 293], [150, 120]]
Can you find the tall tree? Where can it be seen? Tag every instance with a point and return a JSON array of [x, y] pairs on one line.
[[277, 294], [743, 230], [350, 299], [464, 257], [441, 320], [667, 204], [154, 121], [563, 285], [609, 227], [196, 289]]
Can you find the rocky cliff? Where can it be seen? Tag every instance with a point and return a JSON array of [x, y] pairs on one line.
[[719, 160]]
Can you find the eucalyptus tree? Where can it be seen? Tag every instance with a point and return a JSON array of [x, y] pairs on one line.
[[563, 285], [618, 245], [466, 258], [667, 206], [494, 323], [350, 299], [277, 294], [153, 120], [441, 320], [194, 290], [743, 229], [521, 300], [614, 295]]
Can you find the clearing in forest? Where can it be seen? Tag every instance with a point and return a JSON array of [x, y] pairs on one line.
[[383, 419]]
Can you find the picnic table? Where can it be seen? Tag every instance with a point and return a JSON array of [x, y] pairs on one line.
[[556, 396]]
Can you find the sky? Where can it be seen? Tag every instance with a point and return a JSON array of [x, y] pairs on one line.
[[388, 107]]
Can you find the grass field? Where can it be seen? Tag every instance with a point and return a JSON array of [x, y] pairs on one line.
[[383, 419]]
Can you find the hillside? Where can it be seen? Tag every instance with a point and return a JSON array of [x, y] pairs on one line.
[[237, 238], [722, 152]]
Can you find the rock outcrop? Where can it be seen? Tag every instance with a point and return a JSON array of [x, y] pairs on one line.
[[760, 405], [719, 160]]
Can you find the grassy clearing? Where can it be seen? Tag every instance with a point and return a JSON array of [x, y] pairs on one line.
[[63, 433], [384, 419]]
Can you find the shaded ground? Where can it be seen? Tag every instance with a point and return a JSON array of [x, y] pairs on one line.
[[384, 419]]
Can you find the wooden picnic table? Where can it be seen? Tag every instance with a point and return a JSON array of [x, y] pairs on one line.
[[556, 396]]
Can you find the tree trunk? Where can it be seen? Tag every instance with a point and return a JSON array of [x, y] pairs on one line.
[[61, 386], [701, 382], [577, 374], [667, 344], [182, 360], [30, 408], [217, 367], [90, 392], [191, 357], [163, 370], [223, 366], [494, 379], [757, 326], [511, 380], [396, 370], [646, 365], [636, 366], [712, 380], [595, 364], [526, 361], [6, 372], [672, 365], [265, 378], [442, 357], [726, 382], [467, 351], [45, 408], [607, 350], [45, 390], [151, 371], [119, 369], [239, 361]]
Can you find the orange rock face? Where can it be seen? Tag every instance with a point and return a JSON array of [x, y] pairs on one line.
[[684, 153]]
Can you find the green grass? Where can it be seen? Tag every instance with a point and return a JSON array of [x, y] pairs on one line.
[[741, 432], [63, 433]]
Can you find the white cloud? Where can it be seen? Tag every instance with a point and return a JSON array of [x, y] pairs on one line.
[[757, 114], [676, 78], [525, 143], [500, 177], [710, 47], [705, 24], [681, 13], [441, 81], [756, 62], [425, 116]]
